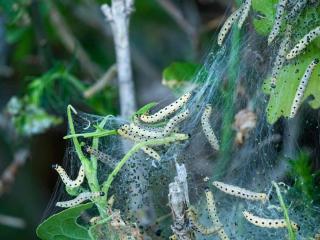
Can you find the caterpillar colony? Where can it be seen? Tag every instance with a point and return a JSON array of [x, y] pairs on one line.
[[65, 178], [166, 111]]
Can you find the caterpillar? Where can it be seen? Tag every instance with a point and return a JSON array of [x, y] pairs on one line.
[[207, 130], [129, 135], [240, 192], [65, 178], [173, 122], [211, 206], [193, 219], [296, 10], [283, 48], [303, 43], [98, 154], [268, 223], [278, 21], [302, 87], [228, 24], [151, 152], [166, 111], [79, 199], [245, 12]]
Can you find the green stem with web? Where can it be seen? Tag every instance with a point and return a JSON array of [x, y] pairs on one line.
[[291, 232], [90, 171], [228, 115], [97, 134], [173, 138]]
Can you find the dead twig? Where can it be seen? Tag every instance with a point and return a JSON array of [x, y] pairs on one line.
[[101, 83], [179, 204], [118, 14], [71, 43], [175, 13], [11, 221], [9, 174]]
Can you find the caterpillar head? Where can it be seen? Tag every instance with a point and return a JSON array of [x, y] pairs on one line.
[[54, 166]]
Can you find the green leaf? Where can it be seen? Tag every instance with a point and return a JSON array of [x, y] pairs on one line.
[[264, 18], [144, 109], [282, 96], [64, 226], [179, 75]]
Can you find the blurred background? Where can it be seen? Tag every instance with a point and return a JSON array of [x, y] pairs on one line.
[[53, 53]]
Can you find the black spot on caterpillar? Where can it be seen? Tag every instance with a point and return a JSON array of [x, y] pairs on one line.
[[240, 192], [166, 111], [268, 223], [79, 199], [302, 87], [65, 178]]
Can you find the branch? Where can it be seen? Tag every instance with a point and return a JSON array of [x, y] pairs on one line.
[[9, 174], [175, 13], [179, 203], [13, 222], [71, 43], [118, 16], [101, 83]]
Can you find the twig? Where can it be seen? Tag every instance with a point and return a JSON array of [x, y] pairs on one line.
[[179, 203], [71, 43], [292, 235], [13, 222], [102, 82], [174, 12], [118, 16], [213, 24], [9, 174]]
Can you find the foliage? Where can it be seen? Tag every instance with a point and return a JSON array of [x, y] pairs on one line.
[[178, 75], [304, 178], [64, 226], [282, 96]]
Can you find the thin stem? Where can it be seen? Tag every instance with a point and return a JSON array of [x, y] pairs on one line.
[[173, 138], [97, 134], [90, 170], [292, 234]]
